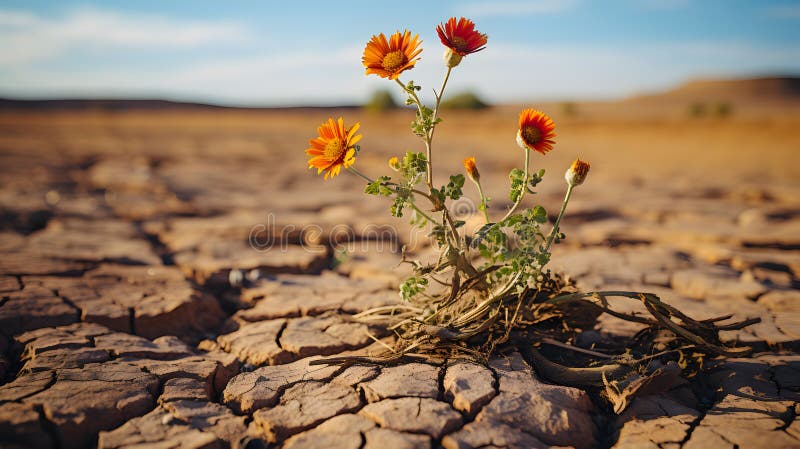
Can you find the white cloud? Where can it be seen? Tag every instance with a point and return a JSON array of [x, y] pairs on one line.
[[503, 72], [603, 71], [35, 49], [26, 37], [516, 8], [332, 76]]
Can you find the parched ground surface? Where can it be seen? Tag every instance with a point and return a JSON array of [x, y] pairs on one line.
[[167, 278]]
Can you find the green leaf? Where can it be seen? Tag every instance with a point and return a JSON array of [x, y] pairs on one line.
[[378, 187], [543, 258], [534, 180], [513, 220], [439, 233], [438, 194], [413, 166], [453, 188], [398, 205], [539, 214], [411, 86], [423, 122], [517, 178], [480, 235], [412, 287]]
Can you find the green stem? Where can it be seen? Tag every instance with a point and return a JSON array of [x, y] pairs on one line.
[[419, 211], [429, 141], [389, 183], [558, 220], [411, 93], [439, 100], [355, 171], [483, 200], [428, 145], [524, 185], [367, 178]]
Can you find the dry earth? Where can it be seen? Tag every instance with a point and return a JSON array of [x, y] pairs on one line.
[[135, 313]]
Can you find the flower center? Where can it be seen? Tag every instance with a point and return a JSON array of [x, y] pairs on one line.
[[393, 61], [531, 134], [459, 43], [334, 149]]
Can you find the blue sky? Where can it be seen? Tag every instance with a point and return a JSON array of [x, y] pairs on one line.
[[305, 52]]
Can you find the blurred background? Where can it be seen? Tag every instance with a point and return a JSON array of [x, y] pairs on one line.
[[308, 53]]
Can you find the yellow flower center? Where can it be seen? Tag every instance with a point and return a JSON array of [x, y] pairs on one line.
[[393, 61], [459, 43], [531, 135], [334, 149]]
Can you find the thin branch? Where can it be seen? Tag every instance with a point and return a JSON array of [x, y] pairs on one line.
[[559, 344], [524, 187]]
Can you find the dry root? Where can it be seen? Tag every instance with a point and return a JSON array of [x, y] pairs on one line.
[[670, 345]]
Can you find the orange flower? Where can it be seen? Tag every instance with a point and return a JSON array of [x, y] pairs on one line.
[[388, 59], [536, 131], [472, 169], [461, 37], [334, 148], [576, 174]]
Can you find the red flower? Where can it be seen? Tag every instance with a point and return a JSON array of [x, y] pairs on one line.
[[536, 131], [461, 37]]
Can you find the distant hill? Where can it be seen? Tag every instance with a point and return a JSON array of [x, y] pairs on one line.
[[747, 90], [112, 104], [99, 104], [780, 91]]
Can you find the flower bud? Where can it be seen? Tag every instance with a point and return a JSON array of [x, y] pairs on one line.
[[576, 174], [472, 169], [521, 142], [451, 58], [394, 163]]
